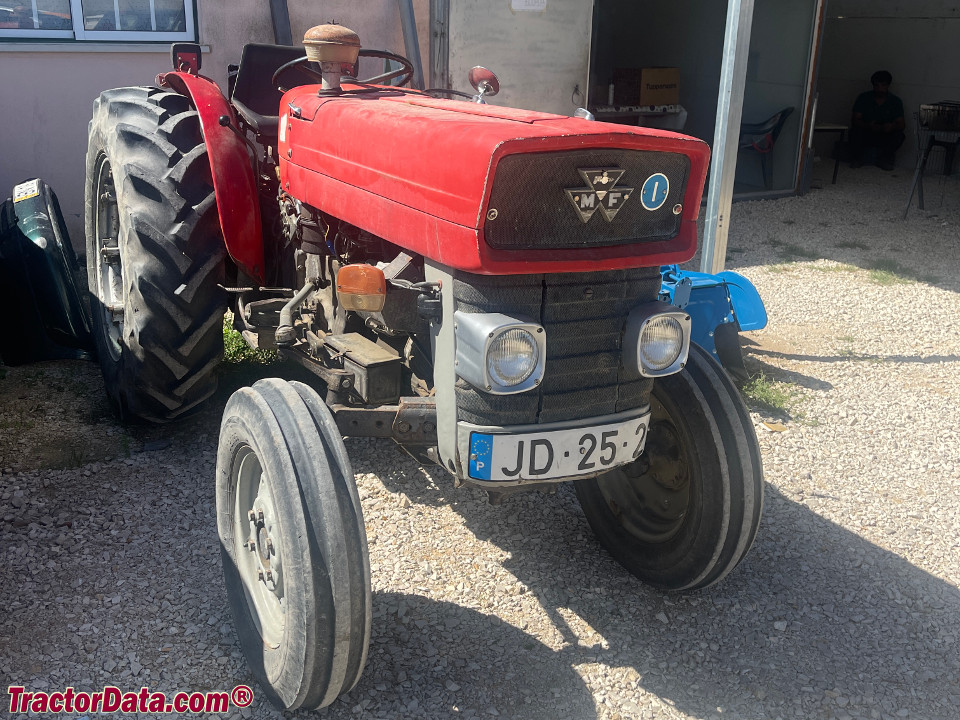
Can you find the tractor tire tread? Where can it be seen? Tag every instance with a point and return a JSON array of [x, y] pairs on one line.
[[172, 251], [722, 524]]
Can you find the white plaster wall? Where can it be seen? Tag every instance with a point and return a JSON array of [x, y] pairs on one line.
[[48, 95], [916, 41], [539, 57], [47, 102]]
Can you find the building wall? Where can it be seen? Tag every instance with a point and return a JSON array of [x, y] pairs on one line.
[[48, 88], [540, 57], [916, 41]]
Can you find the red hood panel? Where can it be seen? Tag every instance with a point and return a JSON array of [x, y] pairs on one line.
[[408, 153]]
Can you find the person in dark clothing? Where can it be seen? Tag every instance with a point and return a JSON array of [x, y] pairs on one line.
[[877, 123]]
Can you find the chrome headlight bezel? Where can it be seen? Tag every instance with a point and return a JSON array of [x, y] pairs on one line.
[[639, 320], [476, 333]]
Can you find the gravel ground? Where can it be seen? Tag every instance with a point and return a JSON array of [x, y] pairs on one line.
[[847, 607]]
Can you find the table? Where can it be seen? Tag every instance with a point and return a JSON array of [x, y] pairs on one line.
[[842, 131], [949, 140], [927, 140], [664, 117]]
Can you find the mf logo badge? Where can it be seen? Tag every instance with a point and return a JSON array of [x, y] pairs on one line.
[[601, 193]]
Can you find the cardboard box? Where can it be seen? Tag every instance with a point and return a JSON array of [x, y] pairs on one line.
[[646, 86]]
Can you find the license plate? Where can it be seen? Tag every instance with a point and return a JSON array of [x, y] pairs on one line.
[[558, 453]]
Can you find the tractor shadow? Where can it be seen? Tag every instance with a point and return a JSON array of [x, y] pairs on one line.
[[816, 622], [202, 427], [429, 658], [439, 659]]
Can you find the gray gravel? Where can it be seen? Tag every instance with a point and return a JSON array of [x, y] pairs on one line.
[[847, 607]]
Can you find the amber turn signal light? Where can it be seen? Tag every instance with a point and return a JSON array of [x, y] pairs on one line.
[[361, 287]]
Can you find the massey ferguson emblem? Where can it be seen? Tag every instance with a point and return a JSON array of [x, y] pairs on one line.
[[602, 193]]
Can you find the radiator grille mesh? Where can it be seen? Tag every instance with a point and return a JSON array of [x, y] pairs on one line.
[[533, 210], [584, 316]]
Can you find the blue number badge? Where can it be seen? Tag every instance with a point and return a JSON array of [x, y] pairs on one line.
[[481, 455], [654, 192]]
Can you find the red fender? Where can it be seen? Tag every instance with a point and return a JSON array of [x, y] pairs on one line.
[[234, 184]]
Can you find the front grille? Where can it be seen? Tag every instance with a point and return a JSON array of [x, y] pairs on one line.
[[584, 316], [533, 210]]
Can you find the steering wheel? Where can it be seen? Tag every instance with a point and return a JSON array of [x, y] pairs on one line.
[[302, 65], [405, 71]]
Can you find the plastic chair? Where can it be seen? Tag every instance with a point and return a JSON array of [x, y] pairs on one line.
[[761, 138]]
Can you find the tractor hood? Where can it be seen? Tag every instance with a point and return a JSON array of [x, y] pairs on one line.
[[490, 189]]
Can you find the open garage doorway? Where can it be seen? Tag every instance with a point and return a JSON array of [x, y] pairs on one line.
[[688, 35], [917, 43]]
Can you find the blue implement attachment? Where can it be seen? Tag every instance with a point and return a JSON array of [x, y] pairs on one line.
[[720, 307]]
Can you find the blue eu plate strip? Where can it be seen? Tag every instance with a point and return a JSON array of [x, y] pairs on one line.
[[481, 455]]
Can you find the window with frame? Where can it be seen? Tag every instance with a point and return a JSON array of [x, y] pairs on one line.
[[98, 20]]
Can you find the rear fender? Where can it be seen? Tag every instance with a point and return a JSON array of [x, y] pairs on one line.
[[233, 180]]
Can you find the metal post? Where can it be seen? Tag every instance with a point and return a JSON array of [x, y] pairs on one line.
[[733, 77], [439, 44], [282, 34], [411, 42]]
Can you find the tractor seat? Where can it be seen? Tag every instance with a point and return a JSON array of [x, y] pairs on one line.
[[254, 96]]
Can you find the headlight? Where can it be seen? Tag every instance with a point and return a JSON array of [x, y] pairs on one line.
[[498, 353], [657, 339], [661, 343], [512, 356]]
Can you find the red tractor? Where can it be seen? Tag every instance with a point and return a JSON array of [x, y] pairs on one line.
[[480, 284]]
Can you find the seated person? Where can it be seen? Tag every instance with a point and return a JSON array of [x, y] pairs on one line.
[[877, 123]]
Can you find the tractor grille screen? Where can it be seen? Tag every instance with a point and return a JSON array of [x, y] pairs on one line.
[[585, 198], [584, 316]]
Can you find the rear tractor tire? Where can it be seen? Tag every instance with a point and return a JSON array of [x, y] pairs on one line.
[[155, 253], [686, 512]]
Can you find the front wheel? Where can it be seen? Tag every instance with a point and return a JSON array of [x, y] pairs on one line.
[[293, 544], [687, 511]]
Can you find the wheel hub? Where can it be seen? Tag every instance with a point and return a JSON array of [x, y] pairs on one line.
[[268, 561], [109, 288], [650, 496], [259, 557], [262, 540]]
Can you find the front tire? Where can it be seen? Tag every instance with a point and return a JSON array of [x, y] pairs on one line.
[[687, 511], [293, 544], [155, 253]]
